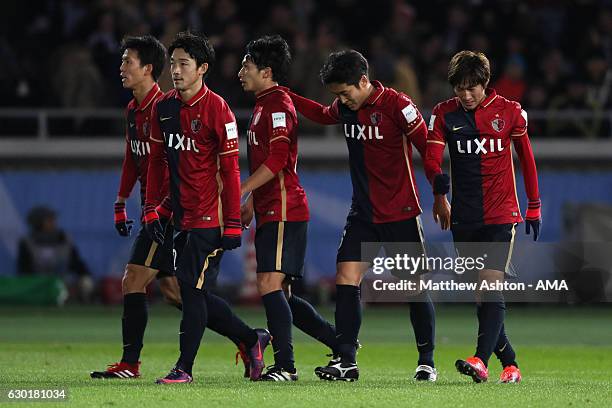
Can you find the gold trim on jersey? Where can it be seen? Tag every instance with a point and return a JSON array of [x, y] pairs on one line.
[[437, 141], [416, 127], [219, 190], [228, 152], [279, 245], [491, 101], [280, 137], [518, 206], [405, 148], [205, 267]]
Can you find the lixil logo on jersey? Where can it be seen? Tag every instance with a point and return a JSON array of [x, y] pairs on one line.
[[360, 132], [177, 141], [140, 148], [479, 146]]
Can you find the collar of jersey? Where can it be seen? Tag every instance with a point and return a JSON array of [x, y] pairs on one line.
[[269, 91], [150, 97], [195, 98], [491, 95], [376, 93]]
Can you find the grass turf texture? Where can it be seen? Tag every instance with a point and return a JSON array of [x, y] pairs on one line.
[[564, 354]]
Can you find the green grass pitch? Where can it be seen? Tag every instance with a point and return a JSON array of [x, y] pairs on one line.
[[565, 356]]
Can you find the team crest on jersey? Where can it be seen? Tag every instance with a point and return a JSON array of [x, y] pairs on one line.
[[498, 124], [256, 118], [196, 125], [145, 128], [376, 118]]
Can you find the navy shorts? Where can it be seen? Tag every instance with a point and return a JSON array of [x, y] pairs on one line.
[[280, 246], [197, 255], [495, 241], [358, 231], [146, 252]]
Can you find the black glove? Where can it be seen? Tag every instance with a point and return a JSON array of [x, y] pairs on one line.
[[533, 218], [231, 235], [122, 224], [152, 225]]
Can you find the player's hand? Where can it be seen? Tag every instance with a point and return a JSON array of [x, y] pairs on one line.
[[164, 210], [442, 211], [154, 229], [533, 218], [246, 214], [122, 224], [231, 235]]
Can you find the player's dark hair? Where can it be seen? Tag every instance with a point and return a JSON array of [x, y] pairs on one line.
[[271, 51], [467, 69], [150, 51], [197, 46], [344, 67]]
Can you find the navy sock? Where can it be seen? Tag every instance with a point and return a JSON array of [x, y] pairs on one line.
[[490, 321], [193, 323], [224, 321], [504, 351], [308, 320], [348, 321], [280, 320], [133, 324], [422, 316]]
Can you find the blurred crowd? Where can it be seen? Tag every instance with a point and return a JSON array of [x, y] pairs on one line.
[[549, 55]]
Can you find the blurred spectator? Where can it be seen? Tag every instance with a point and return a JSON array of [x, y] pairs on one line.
[[47, 250], [512, 83]]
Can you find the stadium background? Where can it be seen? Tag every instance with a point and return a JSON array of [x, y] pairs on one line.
[[61, 145]]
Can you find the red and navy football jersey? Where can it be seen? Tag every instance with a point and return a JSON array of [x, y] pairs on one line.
[[274, 121], [137, 145], [379, 137], [198, 139], [482, 169]]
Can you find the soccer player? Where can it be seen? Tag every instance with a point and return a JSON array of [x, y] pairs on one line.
[[278, 202], [194, 136], [143, 59], [380, 125], [478, 125]]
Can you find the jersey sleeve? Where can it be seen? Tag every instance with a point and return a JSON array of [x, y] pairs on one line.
[[226, 130], [411, 122], [436, 142], [157, 180], [519, 127], [324, 115], [281, 125], [129, 172]]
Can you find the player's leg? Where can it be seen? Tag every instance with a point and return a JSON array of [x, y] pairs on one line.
[[349, 272], [305, 316], [506, 355], [198, 252], [251, 342], [307, 319], [497, 242], [409, 236], [139, 272], [217, 322], [269, 247]]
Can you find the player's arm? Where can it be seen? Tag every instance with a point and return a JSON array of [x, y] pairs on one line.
[[227, 132], [129, 175], [412, 123], [520, 140], [156, 171], [280, 125], [324, 115], [436, 142]]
